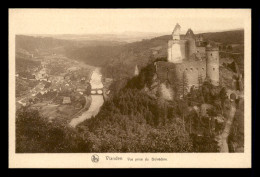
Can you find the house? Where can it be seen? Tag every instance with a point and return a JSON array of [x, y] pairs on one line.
[[81, 90], [66, 100], [83, 78], [43, 92]]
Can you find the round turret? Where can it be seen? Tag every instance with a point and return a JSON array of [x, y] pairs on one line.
[[190, 37], [212, 64], [191, 46]]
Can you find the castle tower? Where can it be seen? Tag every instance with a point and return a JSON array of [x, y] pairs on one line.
[[190, 37], [174, 47], [212, 64]]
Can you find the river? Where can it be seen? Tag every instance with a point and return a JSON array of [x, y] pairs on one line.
[[97, 100]]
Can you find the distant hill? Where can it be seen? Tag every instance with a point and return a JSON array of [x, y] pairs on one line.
[[227, 37], [31, 44], [117, 56], [124, 37]]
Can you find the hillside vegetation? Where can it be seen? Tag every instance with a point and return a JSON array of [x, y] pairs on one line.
[[226, 37], [32, 44]]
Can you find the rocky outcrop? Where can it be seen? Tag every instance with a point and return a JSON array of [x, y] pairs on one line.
[[166, 91]]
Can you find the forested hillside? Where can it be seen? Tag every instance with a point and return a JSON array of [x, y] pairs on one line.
[[226, 37]]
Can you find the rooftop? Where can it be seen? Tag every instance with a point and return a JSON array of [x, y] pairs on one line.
[[190, 34]]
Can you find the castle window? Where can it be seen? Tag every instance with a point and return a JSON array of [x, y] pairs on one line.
[[213, 69], [186, 69], [211, 54], [203, 69], [191, 69]]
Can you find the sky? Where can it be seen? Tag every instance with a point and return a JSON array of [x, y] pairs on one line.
[[112, 21]]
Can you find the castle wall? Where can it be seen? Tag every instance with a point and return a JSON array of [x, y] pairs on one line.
[[174, 52], [171, 75], [201, 53], [193, 70], [213, 66], [162, 68], [169, 53], [184, 49], [174, 71], [191, 47], [201, 50]]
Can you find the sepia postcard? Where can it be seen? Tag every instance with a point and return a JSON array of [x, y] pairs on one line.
[[129, 88]]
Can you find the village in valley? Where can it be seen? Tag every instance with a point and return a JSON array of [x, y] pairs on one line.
[[56, 86]]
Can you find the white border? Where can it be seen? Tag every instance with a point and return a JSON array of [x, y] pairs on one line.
[[175, 160]]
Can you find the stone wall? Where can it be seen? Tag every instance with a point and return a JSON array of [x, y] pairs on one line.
[[201, 50], [174, 52], [184, 49], [212, 57], [174, 72], [201, 53], [193, 70], [191, 47], [162, 69]]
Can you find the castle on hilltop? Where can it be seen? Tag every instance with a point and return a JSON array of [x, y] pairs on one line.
[[191, 57]]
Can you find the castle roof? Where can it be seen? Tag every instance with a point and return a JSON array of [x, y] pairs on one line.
[[177, 28], [190, 34]]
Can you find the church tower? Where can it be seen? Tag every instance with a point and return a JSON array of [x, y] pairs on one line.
[[174, 47]]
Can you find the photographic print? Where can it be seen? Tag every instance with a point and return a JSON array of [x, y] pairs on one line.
[[108, 84]]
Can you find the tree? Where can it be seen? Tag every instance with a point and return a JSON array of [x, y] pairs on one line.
[[88, 90], [223, 94], [229, 48], [200, 80], [35, 133], [182, 109], [183, 86]]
